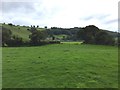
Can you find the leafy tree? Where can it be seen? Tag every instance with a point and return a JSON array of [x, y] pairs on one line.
[[34, 26], [45, 27], [6, 36], [53, 38], [37, 26], [37, 36], [10, 24], [88, 34], [104, 38], [92, 35]]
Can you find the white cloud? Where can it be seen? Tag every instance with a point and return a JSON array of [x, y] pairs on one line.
[[66, 13]]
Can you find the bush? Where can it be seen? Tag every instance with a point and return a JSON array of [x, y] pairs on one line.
[[10, 24], [15, 41], [54, 42]]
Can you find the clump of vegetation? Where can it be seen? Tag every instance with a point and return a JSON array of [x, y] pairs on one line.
[[93, 35], [6, 36], [104, 38], [10, 24], [15, 41], [37, 36]]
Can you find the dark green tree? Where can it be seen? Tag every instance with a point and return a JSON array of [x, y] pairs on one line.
[[10, 24], [37, 26], [53, 38], [92, 35], [104, 38], [6, 36], [37, 36], [45, 27], [88, 34]]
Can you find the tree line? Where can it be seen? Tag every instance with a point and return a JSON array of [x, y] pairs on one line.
[[89, 35], [36, 38], [93, 35]]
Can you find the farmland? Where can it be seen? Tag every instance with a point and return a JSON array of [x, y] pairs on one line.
[[60, 66]]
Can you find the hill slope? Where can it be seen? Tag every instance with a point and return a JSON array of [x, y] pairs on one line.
[[60, 33], [20, 31]]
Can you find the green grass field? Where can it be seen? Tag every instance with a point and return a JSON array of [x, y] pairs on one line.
[[60, 66]]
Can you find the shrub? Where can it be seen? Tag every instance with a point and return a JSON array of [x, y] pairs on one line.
[[10, 24], [15, 41]]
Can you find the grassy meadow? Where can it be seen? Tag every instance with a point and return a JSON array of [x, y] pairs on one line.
[[60, 66]]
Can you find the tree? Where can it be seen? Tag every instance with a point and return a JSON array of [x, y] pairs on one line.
[[53, 38], [34, 26], [37, 36], [92, 35], [10, 24], [88, 34], [104, 38], [6, 36], [37, 26], [45, 27]]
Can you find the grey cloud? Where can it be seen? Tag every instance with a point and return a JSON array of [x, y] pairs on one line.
[[103, 16], [21, 22], [99, 17], [112, 21], [27, 9], [19, 11], [24, 7], [88, 18]]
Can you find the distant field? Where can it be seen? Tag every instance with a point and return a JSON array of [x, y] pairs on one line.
[[60, 66], [71, 42]]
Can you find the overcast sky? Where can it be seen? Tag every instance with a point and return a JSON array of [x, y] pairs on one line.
[[61, 13]]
